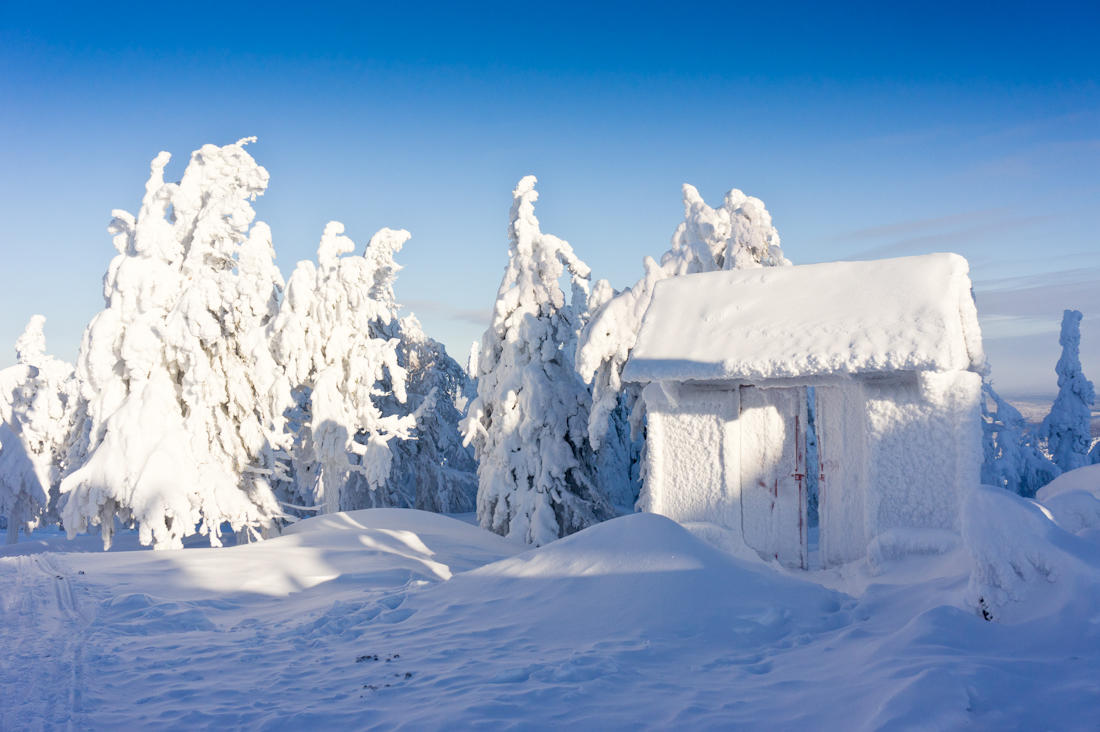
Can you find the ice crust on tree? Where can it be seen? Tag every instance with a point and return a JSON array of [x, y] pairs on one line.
[[1066, 428], [340, 366], [903, 314], [529, 420], [182, 400], [38, 399], [738, 235]]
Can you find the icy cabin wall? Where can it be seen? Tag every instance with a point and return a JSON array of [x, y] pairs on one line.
[[924, 448], [692, 448]]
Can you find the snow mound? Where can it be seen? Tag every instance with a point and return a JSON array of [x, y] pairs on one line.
[[896, 544], [658, 577], [1073, 499], [1025, 565], [1085, 479], [904, 314]]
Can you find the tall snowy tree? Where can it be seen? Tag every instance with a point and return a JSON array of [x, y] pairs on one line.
[[182, 399], [528, 422], [1012, 460], [341, 368], [737, 235], [37, 399], [1066, 428]]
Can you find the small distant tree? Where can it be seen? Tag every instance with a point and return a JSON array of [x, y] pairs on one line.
[[528, 422], [1066, 428], [182, 405], [37, 408]]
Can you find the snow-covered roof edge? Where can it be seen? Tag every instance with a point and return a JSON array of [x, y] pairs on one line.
[[902, 314]]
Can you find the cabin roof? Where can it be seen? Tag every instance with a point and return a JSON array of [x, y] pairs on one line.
[[887, 315]]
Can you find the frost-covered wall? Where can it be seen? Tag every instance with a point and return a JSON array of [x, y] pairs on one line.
[[692, 458], [897, 451], [924, 448]]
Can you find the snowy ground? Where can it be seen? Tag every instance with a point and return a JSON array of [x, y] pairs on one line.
[[401, 619]]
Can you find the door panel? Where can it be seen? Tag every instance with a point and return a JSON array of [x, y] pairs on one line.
[[773, 470], [841, 488]]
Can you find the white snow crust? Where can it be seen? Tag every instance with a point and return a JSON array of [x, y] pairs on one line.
[[903, 314], [395, 618]]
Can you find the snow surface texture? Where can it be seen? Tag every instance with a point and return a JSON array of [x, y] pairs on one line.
[[737, 235], [536, 469], [388, 618], [904, 314]]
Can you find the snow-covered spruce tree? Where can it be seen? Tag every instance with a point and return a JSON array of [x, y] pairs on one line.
[[340, 369], [1066, 428], [37, 399], [528, 422], [182, 397], [737, 235], [434, 471], [1012, 460]]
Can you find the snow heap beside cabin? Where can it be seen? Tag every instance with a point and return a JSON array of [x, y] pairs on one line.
[[891, 349]]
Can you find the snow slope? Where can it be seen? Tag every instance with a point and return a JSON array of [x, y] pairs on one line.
[[393, 618]]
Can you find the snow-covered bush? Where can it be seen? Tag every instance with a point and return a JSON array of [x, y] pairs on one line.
[[182, 397], [341, 368], [1066, 428], [1011, 457], [737, 235], [38, 397], [1023, 563], [528, 422]]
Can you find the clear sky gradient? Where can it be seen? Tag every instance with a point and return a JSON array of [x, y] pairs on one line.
[[869, 130]]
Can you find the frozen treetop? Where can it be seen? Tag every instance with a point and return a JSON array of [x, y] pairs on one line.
[[904, 314]]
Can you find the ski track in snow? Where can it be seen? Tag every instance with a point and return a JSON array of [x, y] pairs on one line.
[[391, 619], [43, 637]]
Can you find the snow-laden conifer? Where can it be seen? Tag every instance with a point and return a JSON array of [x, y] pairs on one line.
[[1012, 459], [37, 400], [737, 235], [434, 471], [528, 421], [341, 368], [182, 397], [1066, 428]]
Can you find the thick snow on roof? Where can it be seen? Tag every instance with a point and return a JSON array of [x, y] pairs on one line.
[[904, 314]]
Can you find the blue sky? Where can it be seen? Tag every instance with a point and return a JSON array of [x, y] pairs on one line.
[[868, 131]]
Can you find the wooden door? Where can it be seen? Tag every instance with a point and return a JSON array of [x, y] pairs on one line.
[[773, 473], [842, 460]]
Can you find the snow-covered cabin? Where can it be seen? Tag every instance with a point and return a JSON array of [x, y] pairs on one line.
[[891, 349]]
